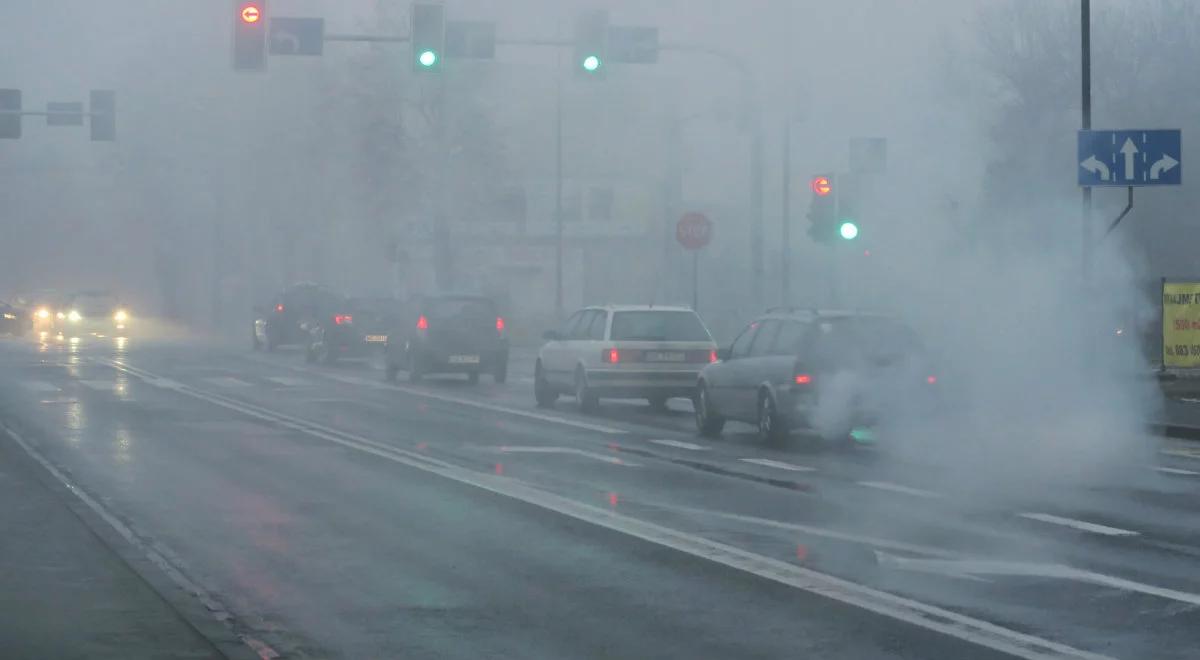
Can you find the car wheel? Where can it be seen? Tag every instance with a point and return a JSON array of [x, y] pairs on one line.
[[389, 372], [255, 343], [658, 403], [473, 377], [771, 425], [327, 355], [542, 391], [270, 342], [584, 396], [501, 373], [310, 353], [707, 423]]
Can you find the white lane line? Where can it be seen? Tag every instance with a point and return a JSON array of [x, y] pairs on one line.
[[226, 381], [288, 381], [766, 462], [1171, 470], [1192, 454], [1189, 400], [40, 386], [679, 444], [613, 460], [929, 617], [897, 488], [1079, 524]]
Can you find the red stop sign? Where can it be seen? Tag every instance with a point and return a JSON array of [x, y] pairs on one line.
[[693, 231]]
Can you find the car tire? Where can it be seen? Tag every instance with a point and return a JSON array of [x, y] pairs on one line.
[[772, 426], [255, 345], [584, 396], [310, 354], [415, 373], [658, 403], [542, 391], [389, 372], [708, 424], [501, 373], [473, 377]]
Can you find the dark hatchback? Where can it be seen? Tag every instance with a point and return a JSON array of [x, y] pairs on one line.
[[838, 374], [449, 333]]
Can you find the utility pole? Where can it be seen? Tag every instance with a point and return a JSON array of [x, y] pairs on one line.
[[756, 207], [559, 312], [1085, 40], [785, 264]]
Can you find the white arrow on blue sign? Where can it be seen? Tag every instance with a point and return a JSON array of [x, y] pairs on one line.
[[1130, 158]]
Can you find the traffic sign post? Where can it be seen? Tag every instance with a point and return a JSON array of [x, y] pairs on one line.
[[1130, 158], [694, 232]]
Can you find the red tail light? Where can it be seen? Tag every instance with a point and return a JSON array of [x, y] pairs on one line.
[[343, 319], [279, 308], [499, 324], [932, 380], [611, 355], [803, 379], [422, 323], [712, 357]]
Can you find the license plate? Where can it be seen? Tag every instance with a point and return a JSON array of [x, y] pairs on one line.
[[376, 339], [664, 356], [464, 359]]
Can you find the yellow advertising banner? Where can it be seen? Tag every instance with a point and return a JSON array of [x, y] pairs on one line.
[[1181, 324]]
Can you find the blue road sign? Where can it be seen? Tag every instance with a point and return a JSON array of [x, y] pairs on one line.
[[1130, 158], [296, 36]]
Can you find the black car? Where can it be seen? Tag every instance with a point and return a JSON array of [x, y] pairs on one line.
[[333, 331], [449, 333], [835, 373], [375, 317], [13, 320], [278, 323]]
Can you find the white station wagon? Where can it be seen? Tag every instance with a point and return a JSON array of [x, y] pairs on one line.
[[624, 351]]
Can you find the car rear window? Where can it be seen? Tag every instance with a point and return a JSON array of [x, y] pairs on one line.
[[658, 326], [461, 308], [874, 339]]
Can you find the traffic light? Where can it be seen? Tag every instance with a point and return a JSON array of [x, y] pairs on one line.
[[848, 216], [249, 35], [822, 210], [591, 40], [428, 36], [103, 111], [10, 124]]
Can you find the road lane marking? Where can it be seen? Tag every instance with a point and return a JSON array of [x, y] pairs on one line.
[[1192, 454], [1081, 525], [226, 381], [40, 386], [766, 462], [1171, 470], [288, 381], [99, 385], [613, 460], [929, 617], [897, 488], [679, 444]]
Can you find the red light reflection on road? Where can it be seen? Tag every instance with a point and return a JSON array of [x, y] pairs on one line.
[[801, 552], [500, 469], [613, 498], [422, 446]]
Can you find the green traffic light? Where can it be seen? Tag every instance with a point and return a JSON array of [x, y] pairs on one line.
[[848, 230], [591, 63], [427, 58]]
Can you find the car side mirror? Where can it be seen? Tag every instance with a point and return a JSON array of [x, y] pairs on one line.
[[552, 335], [723, 354]]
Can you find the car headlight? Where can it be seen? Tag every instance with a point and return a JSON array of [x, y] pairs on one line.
[[120, 316], [74, 317], [43, 313], [61, 316]]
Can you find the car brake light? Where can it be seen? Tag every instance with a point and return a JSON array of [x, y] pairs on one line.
[[499, 324], [803, 379], [279, 308], [712, 356], [343, 319], [422, 323], [932, 380], [611, 355]]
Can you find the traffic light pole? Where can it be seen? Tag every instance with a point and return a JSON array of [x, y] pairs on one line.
[[559, 311], [785, 257], [1085, 42]]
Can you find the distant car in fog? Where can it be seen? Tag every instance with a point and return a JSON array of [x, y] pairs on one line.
[[449, 333], [832, 372], [93, 312], [375, 317], [43, 309], [333, 331], [277, 323], [13, 320], [623, 351]]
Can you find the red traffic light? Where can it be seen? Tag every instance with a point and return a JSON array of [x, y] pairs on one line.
[[251, 13], [821, 186]]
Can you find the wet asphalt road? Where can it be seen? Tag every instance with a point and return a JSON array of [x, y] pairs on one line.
[[333, 515]]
